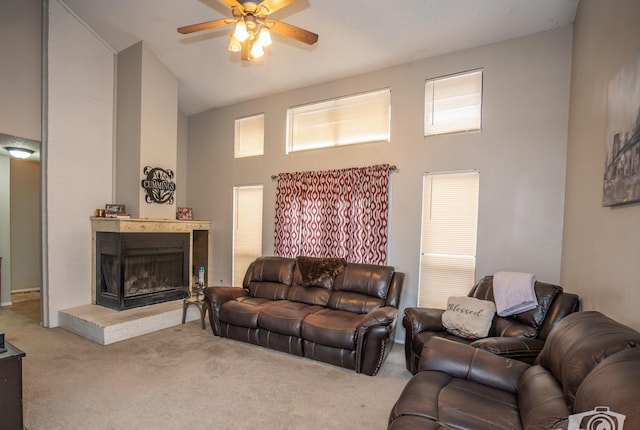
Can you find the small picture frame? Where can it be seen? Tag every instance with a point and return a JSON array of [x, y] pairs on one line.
[[185, 214], [112, 210]]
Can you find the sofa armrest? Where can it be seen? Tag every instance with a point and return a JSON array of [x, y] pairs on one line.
[[378, 317], [473, 364], [372, 335], [215, 297], [417, 320], [519, 348]]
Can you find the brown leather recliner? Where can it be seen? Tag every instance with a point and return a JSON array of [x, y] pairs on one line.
[[519, 336], [586, 377]]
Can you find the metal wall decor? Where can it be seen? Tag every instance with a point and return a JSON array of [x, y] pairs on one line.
[[158, 185]]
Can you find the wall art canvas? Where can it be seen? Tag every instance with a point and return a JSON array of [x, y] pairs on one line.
[[622, 157]]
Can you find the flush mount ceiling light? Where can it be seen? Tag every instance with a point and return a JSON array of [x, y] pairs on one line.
[[19, 152], [252, 31]]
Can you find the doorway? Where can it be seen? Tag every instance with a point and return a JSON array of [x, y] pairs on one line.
[[21, 248]]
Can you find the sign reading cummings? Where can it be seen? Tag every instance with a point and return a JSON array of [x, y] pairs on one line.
[[158, 185]]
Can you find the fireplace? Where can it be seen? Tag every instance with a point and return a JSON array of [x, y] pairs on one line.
[[139, 269]]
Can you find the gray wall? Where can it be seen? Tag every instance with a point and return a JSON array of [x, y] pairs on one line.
[[521, 156], [601, 246], [20, 86]]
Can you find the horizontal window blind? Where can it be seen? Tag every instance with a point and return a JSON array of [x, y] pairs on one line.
[[247, 229], [449, 234], [249, 136], [348, 120], [453, 104]]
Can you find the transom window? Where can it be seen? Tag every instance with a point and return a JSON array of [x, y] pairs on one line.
[[361, 118], [249, 136], [453, 103]]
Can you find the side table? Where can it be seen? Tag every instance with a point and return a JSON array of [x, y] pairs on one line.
[[11, 388], [196, 298]]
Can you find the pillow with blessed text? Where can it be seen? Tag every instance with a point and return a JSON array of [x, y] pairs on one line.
[[468, 317]]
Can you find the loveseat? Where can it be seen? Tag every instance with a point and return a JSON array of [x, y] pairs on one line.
[[586, 377], [324, 309], [520, 336]]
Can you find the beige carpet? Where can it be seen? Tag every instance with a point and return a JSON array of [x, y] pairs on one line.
[[26, 304], [185, 378]]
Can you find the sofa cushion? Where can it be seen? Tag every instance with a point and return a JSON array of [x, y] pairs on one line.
[[309, 295], [243, 311], [319, 272], [269, 277], [578, 343], [285, 317], [412, 422], [332, 327], [353, 302], [457, 403], [468, 317], [367, 279]]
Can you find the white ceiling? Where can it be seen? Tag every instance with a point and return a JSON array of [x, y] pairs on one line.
[[355, 37]]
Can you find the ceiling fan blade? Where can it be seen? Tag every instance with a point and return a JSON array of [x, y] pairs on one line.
[[272, 6], [204, 25], [293, 32], [232, 3]]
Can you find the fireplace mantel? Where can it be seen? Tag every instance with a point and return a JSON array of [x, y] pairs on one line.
[[199, 231], [147, 225]]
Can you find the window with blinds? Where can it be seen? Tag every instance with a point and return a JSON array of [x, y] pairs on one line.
[[362, 118], [247, 229], [249, 136], [449, 232], [453, 104]]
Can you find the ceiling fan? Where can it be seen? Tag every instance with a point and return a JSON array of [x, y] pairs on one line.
[[253, 27]]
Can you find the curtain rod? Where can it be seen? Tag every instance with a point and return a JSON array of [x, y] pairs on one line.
[[391, 169]]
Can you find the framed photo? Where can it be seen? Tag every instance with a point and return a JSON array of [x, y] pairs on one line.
[[112, 210], [185, 214]]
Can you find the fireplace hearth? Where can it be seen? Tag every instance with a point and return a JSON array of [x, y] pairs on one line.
[[139, 269]]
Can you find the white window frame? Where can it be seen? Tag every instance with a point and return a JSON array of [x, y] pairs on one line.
[[240, 262], [349, 120], [249, 136], [453, 103], [448, 236]]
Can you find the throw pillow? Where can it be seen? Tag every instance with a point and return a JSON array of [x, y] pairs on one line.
[[320, 272], [468, 317]]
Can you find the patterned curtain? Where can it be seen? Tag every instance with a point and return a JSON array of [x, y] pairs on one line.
[[333, 213]]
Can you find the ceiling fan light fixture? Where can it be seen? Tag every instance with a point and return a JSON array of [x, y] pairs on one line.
[[234, 44], [256, 50], [19, 152], [253, 27], [241, 33], [265, 37]]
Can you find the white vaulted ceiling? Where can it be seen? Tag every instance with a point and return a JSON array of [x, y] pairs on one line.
[[356, 36]]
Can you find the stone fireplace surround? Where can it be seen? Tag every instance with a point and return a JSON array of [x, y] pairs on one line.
[[105, 326]]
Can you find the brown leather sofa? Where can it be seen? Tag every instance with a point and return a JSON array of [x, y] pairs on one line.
[[519, 336], [348, 322], [586, 377]]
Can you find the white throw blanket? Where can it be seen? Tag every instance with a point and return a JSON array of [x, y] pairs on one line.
[[514, 292]]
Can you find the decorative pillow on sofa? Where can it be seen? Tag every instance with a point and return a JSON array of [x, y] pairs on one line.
[[468, 317], [319, 272]]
